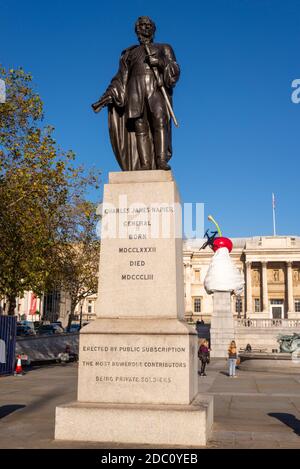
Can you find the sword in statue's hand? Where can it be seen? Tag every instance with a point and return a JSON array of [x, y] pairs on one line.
[[162, 88]]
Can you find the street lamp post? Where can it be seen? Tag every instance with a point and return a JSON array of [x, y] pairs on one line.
[[80, 323]]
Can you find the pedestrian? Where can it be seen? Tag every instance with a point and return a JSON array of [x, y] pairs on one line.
[[232, 358], [203, 354], [73, 357], [248, 348]]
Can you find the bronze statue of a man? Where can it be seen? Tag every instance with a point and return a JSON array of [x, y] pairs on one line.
[[139, 115]]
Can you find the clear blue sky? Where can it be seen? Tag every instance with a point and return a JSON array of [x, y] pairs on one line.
[[238, 139]]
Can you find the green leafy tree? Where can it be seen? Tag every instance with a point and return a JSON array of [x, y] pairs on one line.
[[77, 259], [38, 185]]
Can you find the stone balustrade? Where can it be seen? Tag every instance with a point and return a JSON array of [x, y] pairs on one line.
[[267, 323]]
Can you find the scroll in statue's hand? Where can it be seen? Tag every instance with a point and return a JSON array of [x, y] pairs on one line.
[[104, 101]]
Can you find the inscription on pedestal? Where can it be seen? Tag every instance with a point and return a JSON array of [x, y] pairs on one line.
[[140, 223], [141, 242], [133, 364], [155, 367]]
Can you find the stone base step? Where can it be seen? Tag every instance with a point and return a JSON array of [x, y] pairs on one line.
[[189, 425]]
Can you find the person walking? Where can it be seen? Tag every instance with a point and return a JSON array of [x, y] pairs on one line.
[[203, 354], [232, 358]]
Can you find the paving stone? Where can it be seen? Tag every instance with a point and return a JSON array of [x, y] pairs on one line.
[[263, 444], [242, 417]]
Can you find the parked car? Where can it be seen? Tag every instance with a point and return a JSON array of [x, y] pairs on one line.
[[49, 329], [24, 331], [26, 323], [36, 325], [74, 328], [58, 323], [58, 329]]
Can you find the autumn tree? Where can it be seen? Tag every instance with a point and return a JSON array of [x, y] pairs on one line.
[[38, 185], [77, 259]]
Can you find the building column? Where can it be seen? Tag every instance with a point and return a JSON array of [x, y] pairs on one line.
[[248, 289], [290, 294], [264, 277], [188, 289]]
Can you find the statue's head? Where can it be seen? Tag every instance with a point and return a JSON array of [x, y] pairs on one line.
[[145, 29]]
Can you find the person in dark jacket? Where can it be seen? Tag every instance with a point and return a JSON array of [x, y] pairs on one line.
[[203, 354]]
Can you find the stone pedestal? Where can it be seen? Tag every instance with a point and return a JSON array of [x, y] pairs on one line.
[[138, 364], [222, 324]]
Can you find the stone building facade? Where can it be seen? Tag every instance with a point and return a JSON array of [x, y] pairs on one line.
[[51, 307], [271, 268], [270, 265]]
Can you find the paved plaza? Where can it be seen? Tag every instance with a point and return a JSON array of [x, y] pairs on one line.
[[256, 410]]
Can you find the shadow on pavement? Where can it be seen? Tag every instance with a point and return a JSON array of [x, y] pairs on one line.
[[225, 373], [288, 419], [9, 409]]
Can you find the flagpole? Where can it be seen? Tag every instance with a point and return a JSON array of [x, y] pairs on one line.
[[274, 218]]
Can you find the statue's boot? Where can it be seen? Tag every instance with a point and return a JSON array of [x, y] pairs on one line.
[[161, 148], [162, 164], [144, 150]]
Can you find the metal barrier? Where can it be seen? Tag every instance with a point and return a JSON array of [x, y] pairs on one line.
[[41, 348], [8, 330]]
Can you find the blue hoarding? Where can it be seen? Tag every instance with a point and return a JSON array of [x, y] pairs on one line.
[[8, 328]]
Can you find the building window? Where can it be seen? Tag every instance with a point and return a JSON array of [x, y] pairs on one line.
[[197, 305], [197, 275], [90, 309], [276, 302], [297, 305], [239, 305], [257, 308]]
